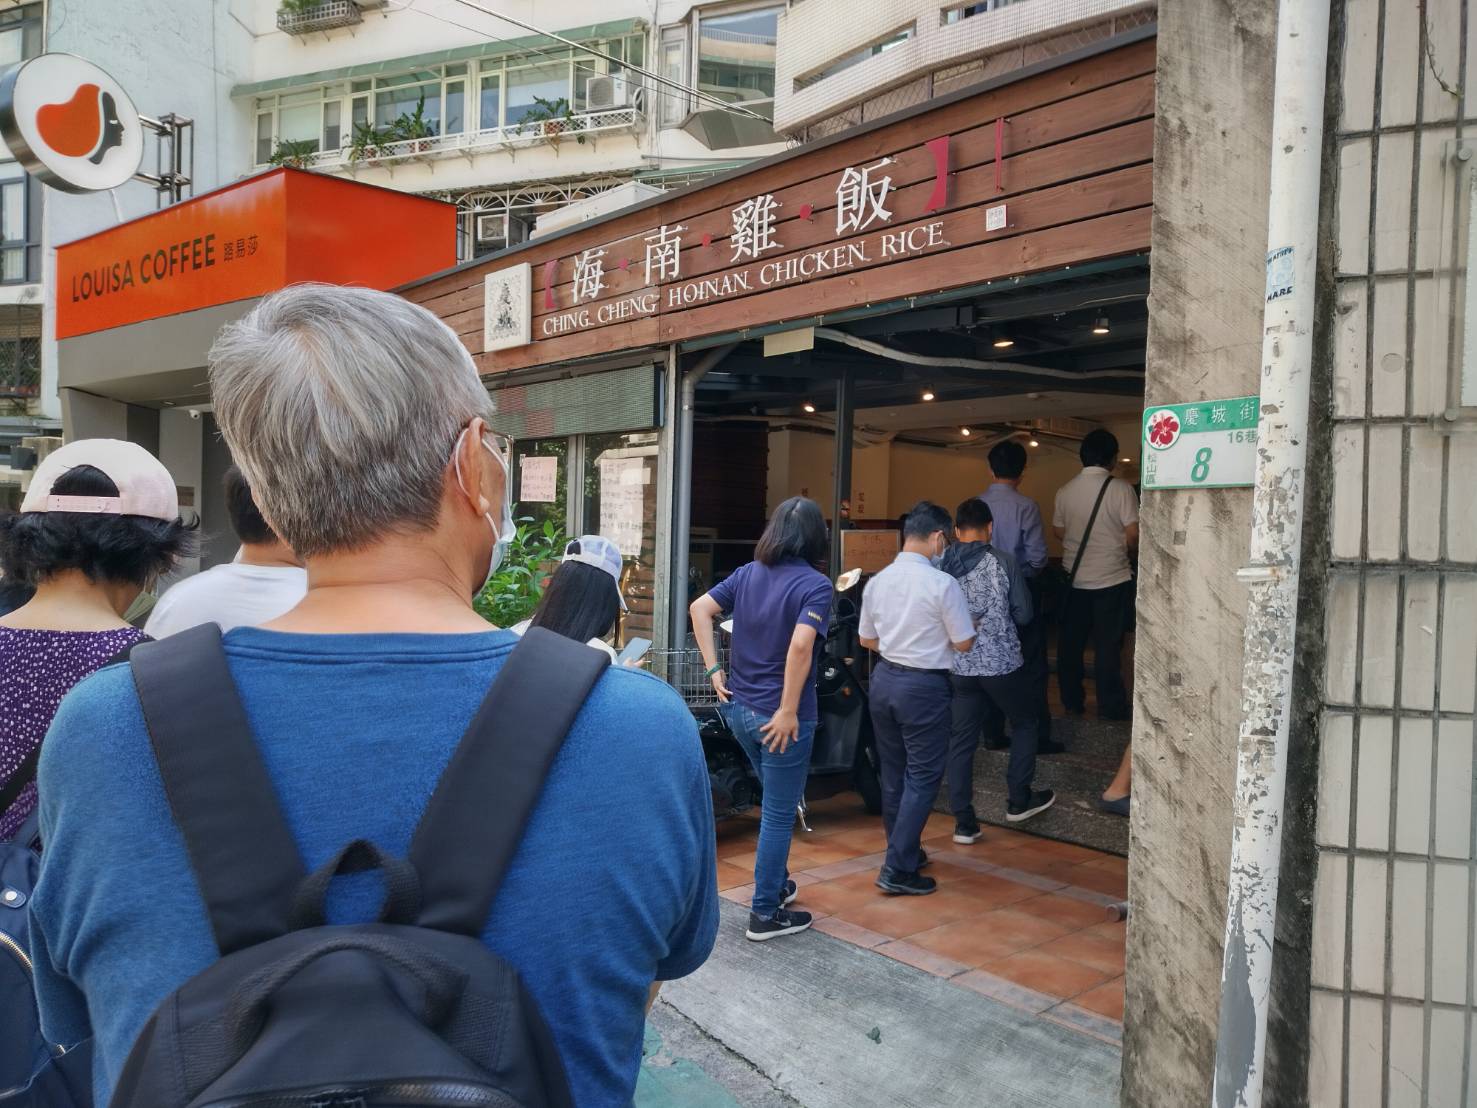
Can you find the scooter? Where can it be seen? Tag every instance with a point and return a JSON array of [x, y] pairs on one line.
[[844, 751]]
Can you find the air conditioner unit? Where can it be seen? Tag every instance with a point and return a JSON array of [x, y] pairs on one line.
[[604, 93], [492, 227]]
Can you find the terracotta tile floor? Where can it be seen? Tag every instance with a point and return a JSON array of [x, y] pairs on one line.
[[1021, 919]]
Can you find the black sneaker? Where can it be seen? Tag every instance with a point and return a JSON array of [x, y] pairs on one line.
[[1051, 746], [923, 859], [1039, 802], [968, 830], [898, 883], [784, 922], [788, 894]]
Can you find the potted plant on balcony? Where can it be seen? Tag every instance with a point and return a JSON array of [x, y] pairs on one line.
[[554, 118], [414, 128], [367, 142], [294, 153]]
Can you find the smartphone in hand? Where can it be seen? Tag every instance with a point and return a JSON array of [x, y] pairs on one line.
[[634, 651]]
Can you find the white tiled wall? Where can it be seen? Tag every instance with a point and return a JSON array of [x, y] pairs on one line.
[[818, 32], [1393, 932]]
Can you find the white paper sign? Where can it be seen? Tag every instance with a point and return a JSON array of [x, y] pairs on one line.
[[623, 502], [995, 218], [539, 482], [507, 318]]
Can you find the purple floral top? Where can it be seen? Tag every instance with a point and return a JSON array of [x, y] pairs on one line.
[[37, 669]]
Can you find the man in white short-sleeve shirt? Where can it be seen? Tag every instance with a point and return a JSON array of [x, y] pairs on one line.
[[1100, 601], [916, 617], [264, 581]]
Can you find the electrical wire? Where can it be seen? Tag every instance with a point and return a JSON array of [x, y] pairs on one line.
[[687, 89]]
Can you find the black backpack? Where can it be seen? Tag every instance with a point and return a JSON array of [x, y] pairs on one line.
[[412, 1011]]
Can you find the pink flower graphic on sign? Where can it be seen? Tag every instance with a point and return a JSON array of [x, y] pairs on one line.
[[1164, 429]]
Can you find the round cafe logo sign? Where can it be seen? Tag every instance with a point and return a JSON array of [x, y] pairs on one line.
[[70, 124], [1164, 429]]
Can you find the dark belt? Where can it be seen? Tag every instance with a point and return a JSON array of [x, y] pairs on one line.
[[915, 669]]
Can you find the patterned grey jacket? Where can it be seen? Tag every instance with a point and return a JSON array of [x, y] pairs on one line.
[[998, 600]]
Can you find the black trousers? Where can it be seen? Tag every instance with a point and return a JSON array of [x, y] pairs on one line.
[[1013, 694], [1036, 672], [1102, 615]]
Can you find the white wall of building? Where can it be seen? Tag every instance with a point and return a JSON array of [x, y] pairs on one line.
[[819, 33]]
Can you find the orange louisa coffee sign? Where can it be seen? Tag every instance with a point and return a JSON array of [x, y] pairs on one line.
[[246, 240]]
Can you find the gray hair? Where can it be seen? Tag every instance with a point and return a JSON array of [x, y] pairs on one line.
[[341, 405]]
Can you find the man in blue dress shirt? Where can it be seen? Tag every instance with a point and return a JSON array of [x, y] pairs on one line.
[[1019, 532]]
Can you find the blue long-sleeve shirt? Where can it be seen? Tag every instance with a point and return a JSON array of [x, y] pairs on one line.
[[355, 731], [1018, 528]]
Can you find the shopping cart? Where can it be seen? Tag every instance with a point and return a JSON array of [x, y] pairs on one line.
[[686, 672]]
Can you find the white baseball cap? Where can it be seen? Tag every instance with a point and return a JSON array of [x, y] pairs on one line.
[[600, 552], [145, 487]]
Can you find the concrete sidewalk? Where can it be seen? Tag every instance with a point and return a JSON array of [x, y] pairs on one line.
[[835, 1026]]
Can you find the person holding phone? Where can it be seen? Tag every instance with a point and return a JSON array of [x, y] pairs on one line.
[[781, 605]]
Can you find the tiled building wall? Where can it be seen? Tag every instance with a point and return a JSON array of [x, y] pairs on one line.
[[937, 59], [1395, 899]]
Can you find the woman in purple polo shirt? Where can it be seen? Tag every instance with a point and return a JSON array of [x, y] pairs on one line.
[[781, 604]]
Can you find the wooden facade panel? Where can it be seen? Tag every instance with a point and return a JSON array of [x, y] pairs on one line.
[[1100, 154], [1074, 174]]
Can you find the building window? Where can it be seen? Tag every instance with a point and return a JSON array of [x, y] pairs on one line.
[[735, 57], [17, 248], [527, 86], [451, 99], [897, 38], [675, 104], [965, 11], [20, 34]]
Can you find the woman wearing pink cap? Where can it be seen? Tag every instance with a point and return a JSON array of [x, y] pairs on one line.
[[100, 523]]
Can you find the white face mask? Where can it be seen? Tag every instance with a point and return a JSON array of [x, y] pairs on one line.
[[502, 534]]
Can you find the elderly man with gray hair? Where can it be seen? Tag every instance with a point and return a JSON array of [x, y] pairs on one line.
[[361, 423]]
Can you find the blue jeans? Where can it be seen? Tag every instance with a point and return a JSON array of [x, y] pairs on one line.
[[911, 720], [783, 779]]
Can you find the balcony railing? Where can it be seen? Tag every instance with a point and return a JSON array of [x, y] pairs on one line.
[[587, 126], [323, 16]]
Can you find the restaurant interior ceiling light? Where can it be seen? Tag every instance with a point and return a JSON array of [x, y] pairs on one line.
[[1128, 459], [964, 431], [810, 408], [1003, 342], [1035, 443], [1100, 327], [927, 394]]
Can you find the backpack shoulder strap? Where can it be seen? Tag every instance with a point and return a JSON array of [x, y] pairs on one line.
[[241, 850], [475, 819], [1087, 534]]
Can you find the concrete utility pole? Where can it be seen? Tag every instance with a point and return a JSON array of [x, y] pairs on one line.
[[1276, 548]]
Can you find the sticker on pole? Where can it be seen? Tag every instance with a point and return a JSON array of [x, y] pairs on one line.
[[1208, 445]]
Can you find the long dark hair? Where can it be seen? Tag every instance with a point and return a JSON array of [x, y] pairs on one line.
[[796, 530], [581, 603]]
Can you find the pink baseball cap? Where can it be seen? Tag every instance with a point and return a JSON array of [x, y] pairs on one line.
[[145, 487]]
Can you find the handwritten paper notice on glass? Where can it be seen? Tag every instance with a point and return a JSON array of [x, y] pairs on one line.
[[623, 502], [868, 551], [539, 482]]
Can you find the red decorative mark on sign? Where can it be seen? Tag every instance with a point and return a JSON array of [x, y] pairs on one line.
[[551, 268], [939, 148], [707, 238], [806, 210], [999, 153], [625, 265]]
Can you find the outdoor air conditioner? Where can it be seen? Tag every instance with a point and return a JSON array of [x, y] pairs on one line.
[[604, 93], [492, 227]]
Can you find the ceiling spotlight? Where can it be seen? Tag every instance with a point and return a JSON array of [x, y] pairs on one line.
[[928, 394], [1128, 459], [1003, 343], [1035, 443], [1100, 327], [810, 408], [964, 431]]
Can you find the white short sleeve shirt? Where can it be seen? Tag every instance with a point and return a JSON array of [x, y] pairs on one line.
[[916, 613], [233, 595], [1105, 561]]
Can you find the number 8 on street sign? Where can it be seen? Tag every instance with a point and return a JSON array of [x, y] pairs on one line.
[[1206, 445]]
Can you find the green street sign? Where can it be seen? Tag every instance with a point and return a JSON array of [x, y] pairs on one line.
[[1207, 445]]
